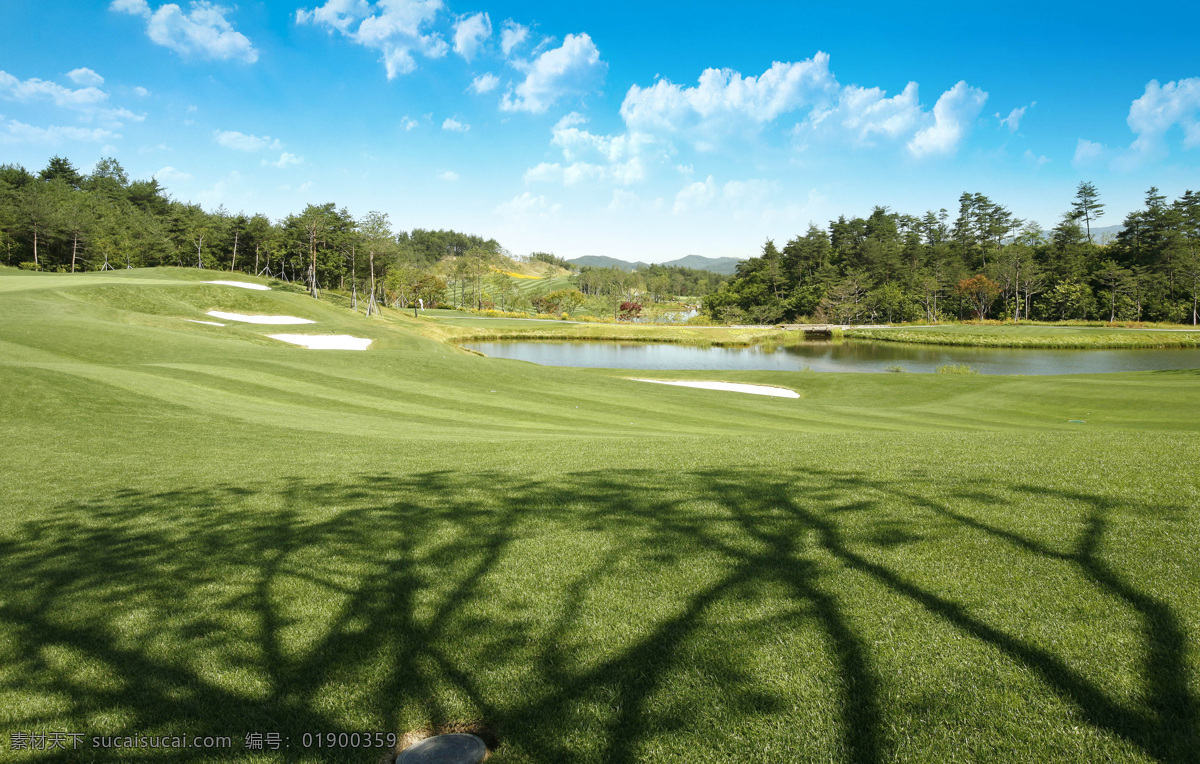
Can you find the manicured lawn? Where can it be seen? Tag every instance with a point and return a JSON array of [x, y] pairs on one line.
[[206, 531]]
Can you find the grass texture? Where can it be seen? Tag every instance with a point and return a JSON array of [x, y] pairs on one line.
[[205, 531]]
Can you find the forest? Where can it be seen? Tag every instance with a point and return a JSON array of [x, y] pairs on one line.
[[890, 267], [61, 219]]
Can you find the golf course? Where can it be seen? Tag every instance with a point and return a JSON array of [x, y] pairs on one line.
[[205, 531]]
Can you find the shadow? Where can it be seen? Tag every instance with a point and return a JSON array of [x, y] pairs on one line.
[[714, 615]]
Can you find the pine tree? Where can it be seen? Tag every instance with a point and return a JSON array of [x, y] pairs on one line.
[[1087, 207]]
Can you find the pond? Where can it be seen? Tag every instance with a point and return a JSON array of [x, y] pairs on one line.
[[858, 356]]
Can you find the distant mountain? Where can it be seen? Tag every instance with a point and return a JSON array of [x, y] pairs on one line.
[[723, 265], [600, 261], [1102, 234], [726, 266]]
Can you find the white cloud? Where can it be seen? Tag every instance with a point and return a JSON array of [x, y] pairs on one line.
[[395, 28], [695, 195], [863, 113], [1034, 159], [86, 77], [203, 31], [1088, 153], [485, 83], [1013, 120], [724, 96], [454, 126], [953, 115], [619, 159], [512, 35], [408, 123], [528, 206], [726, 104], [33, 89], [170, 174], [12, 131], [572, 68], [470, 32], [141, 92], [285, 161], [448, 175], [232, 139], [1160, 108]]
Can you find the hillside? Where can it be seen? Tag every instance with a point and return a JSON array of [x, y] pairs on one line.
[[725, 266]]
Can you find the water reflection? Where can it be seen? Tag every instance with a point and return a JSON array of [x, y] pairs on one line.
[[840, 356]]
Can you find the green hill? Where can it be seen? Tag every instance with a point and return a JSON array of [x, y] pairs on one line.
[[725, 266], [208, 532]]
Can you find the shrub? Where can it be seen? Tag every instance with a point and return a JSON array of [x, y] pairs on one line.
[[895, 369], [955, 368]]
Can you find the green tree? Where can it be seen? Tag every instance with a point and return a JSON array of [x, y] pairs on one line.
[[1087, 207]]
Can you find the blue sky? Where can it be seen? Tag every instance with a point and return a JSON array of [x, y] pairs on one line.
[[636, 130]]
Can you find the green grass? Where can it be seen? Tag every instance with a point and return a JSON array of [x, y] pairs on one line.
[[205, 531], [1032, 336]]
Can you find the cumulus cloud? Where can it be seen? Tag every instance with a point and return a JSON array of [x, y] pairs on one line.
[[12, 131], [723, 97], [470, 32], [695, 195], [953, 115], [202, 32], [1036, 160], [285, 161], [395, 28], [485, 83], [1013, 120], [734, 195], [619, 159], [34, 89], [1158, 110], [865, 113], [1088, 153], [512, 36], [408, 123], [84, 76], [169, 174], [528, 206], [232, 139], [448, 175], [453, 125], [725, 103], [141, 92], [572, 68]]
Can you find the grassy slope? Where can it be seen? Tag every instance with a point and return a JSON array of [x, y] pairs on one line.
[[207, 531]]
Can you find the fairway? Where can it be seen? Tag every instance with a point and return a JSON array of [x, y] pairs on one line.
[[207, 531]]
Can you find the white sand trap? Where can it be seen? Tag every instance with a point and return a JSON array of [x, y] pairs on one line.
[[242, 284], [733, 387], [324, 341], [210, 323], [259, 319]]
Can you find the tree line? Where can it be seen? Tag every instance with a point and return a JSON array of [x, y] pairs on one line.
[[986, 263], [62, 219]]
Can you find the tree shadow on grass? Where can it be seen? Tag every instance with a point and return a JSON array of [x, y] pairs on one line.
[[588, 616]]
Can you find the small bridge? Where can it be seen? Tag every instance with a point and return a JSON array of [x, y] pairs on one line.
[[825, 331]]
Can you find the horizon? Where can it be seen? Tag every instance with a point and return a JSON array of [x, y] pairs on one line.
[[585, 133]]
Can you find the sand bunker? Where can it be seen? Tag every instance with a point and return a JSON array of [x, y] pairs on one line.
[[242, 284], [210, 323], [324, 341], [733, 387], [259, 319]]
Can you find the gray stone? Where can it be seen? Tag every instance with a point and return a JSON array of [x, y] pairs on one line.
[[454, 748]]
